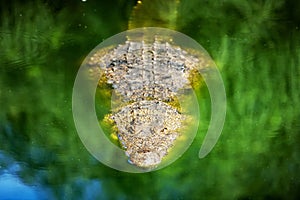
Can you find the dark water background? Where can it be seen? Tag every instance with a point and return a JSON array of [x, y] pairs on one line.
[[255, 43]]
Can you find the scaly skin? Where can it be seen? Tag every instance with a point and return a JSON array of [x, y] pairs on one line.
[[147, 77]]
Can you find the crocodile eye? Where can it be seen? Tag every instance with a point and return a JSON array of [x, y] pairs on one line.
[[145, 79]]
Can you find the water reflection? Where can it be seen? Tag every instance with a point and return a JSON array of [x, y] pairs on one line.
[[12, 185], [41, 156], [12, 188]]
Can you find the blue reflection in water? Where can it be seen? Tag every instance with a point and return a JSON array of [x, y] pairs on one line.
[[12, 187], [90, 189]]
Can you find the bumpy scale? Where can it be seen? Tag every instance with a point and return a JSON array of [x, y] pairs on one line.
[[148, 76]]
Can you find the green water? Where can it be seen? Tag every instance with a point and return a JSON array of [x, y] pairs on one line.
[[256, 45]]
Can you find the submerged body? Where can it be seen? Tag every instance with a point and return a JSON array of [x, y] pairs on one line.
[[147, 76]]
